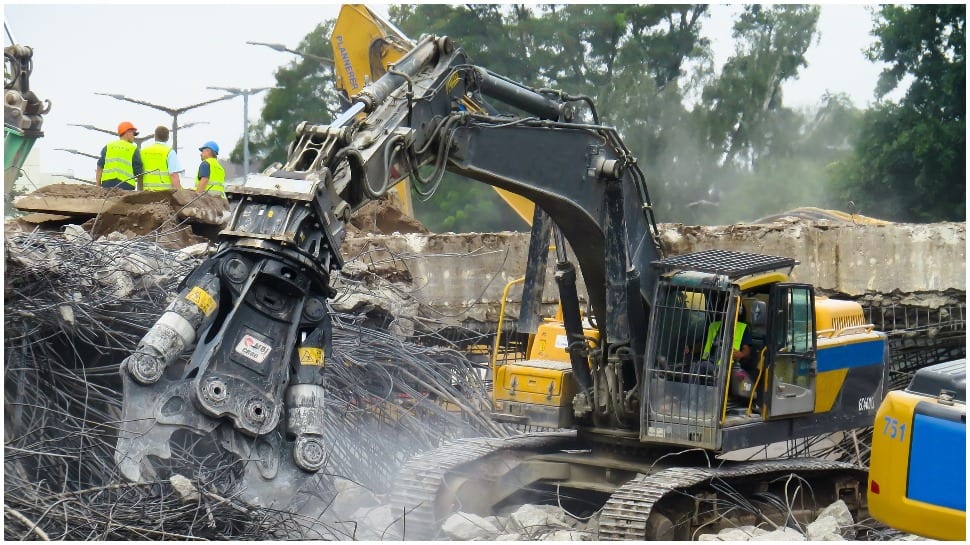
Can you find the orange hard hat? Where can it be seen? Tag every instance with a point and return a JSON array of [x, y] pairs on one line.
[[126, 126]]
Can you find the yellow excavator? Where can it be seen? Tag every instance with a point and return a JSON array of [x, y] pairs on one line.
[[638, 415]]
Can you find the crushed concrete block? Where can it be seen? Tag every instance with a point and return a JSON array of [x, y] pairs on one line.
[[377, 523], [468, 526], [843, 517], [119, 281], [350, 498], [535, 517], [782, 534], [566, 535], [184, 487], [76, 234], [137, 264], [195, 250], [822, 527], [67, 314], [509, 537]]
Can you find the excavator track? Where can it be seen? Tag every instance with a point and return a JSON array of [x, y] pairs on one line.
[[626, 515], [427, 488], [416, 495]]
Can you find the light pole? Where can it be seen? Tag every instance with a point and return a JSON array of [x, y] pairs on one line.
[[245, 94], [76, 152], [138, 139], [283, 48], [174, 112]]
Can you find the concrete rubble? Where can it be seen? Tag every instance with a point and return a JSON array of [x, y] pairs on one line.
[[551, 523], [428, 280], [460, 278]]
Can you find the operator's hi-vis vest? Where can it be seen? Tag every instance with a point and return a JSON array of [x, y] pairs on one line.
[[712, 331], [217, 176], [117, 162], [154, 159]]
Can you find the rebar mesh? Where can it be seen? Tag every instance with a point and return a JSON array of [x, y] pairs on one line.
[[75, 308]]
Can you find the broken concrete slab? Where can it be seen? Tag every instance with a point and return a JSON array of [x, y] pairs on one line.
[[469, 526]]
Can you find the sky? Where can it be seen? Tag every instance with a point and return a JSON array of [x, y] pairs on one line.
[[168, 55]]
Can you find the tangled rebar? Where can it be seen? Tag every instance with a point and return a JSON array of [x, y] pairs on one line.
[[74, 308]]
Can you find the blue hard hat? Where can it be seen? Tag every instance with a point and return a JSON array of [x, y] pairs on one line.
[[211, 145]]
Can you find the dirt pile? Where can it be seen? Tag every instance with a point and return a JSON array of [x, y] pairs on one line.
[[383, 217]]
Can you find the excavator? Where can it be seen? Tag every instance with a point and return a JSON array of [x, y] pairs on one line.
[[23, 110], [635, 401]]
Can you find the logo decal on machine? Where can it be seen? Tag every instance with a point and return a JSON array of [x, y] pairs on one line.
[[866, 404], [253, 348]]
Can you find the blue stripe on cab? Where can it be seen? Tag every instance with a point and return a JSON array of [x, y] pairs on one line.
[[847, 356]]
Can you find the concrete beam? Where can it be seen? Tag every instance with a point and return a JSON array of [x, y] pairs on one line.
[[460, 277]]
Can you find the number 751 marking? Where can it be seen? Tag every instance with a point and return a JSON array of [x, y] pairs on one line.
[[893, 428]]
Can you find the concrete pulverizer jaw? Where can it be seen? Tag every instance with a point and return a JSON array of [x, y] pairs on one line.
[[154, 404], [229, 379]]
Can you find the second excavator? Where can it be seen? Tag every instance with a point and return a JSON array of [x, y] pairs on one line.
[[640, 395]]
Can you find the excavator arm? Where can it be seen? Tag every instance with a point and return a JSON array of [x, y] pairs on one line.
[[365, 44], [253, 317]]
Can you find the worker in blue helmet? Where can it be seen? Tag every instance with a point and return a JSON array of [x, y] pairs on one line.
[[211, 175]]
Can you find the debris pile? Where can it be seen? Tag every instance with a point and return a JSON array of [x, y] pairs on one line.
[[374, 521], [176, 217], [75, 307]]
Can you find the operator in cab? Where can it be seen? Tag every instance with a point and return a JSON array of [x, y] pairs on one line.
[[706, 355]]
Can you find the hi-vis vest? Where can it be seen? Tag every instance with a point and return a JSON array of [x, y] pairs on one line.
[[155, 158], [217, 176], [712, 331], [117, 162]]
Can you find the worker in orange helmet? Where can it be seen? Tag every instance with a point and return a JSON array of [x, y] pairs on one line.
[[120, 162]]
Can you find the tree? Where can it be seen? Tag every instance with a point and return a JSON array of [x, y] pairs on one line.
[[823, 138], [701, 136], [746, 101], [304, 91], [910, 161], [629, 59]]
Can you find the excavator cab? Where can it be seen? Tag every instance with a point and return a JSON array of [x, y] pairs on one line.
[[705, 305], [695, 316], [813, 362]]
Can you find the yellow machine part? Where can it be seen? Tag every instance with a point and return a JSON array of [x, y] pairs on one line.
[[539, 391], [835, 317], [889, 472], [521, 205], [363, 45], [550, 341], [829, 384]]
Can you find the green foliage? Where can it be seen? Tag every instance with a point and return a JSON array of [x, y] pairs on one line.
[[304, 91], [463, 205], [910, 162], [717, 143], [743, 106]]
